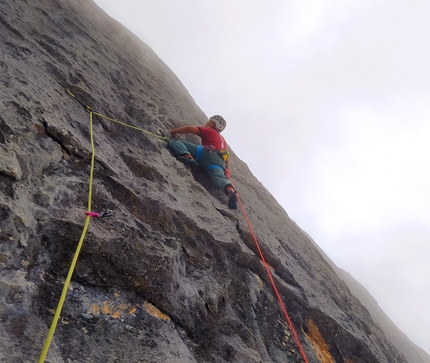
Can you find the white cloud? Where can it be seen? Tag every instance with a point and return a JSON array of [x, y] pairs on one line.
[[375, 175]]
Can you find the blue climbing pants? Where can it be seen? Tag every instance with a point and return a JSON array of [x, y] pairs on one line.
[[209, 160]]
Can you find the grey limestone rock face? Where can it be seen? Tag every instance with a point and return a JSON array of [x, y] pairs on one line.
[[173, 275]]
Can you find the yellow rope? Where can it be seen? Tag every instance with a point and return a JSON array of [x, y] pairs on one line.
[[87, 222], [75, 257], [130, 126], [88, 108]]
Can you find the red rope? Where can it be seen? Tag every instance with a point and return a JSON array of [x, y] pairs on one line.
[[281, 303]]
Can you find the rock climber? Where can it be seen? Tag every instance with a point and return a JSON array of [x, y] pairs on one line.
[[211, 155]]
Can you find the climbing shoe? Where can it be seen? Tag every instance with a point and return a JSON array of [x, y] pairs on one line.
[[186, 161], [232, 199]]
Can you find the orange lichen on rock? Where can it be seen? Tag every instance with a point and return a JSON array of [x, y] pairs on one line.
[[113, 309], [116, 314], [320, 346], [122, 307], [259, 281], [151, 309], [106, 309]]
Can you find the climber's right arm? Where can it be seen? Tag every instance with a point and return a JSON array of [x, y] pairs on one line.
[[185, 130]]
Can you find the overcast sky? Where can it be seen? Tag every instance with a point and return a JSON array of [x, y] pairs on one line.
[[328, 102]]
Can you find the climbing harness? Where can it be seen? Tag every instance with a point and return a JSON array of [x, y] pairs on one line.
[[199, 152], [90, 214], [223, 154]]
